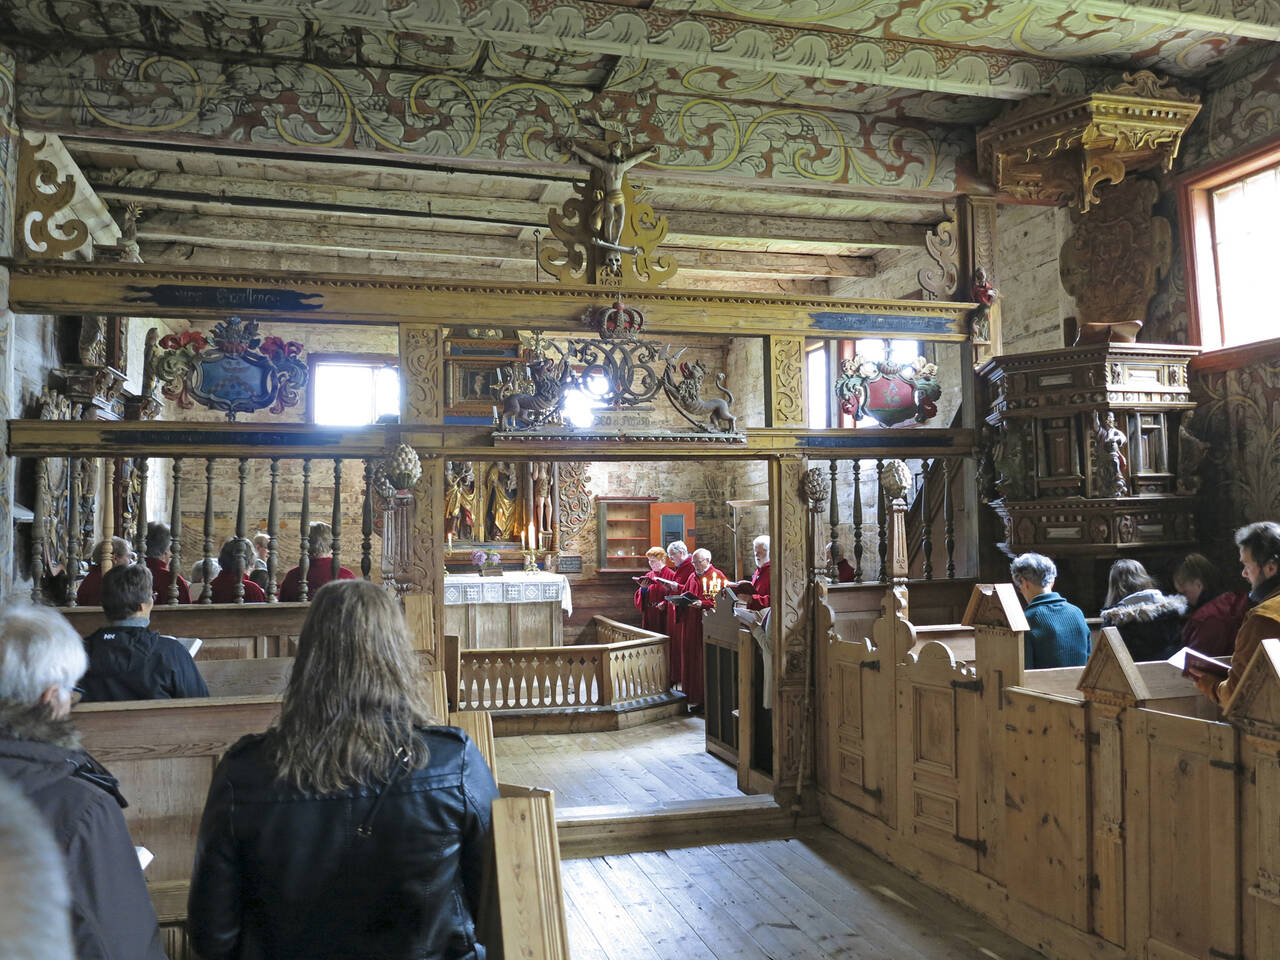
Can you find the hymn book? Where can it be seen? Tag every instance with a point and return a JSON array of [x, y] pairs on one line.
[[1187, 660]]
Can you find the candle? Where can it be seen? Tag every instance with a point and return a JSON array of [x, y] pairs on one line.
[[450, 539], [533, 536], [522, 543]]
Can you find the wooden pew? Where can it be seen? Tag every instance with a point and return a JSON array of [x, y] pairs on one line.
[[229, 631]]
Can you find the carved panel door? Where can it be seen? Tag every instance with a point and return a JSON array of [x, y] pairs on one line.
[[937, 755], [860, 713]]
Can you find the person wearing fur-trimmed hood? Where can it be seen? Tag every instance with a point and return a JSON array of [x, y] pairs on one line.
[[1150, 622]]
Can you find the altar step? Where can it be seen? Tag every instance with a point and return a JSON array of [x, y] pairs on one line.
[[594, 719]]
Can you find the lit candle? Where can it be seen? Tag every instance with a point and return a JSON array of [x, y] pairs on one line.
[[533, 536], [522, 543]]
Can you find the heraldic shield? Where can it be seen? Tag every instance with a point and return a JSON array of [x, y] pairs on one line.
[[888, 392]]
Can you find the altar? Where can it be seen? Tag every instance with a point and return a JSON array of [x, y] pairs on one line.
[[518, 609]]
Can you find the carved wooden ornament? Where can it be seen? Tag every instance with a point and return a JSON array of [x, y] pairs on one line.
[[1061, 149], [41, 198]]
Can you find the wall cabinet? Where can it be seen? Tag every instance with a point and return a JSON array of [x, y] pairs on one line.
[[628, 526]]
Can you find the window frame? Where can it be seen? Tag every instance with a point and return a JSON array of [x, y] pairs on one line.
[[375, 361], [1206, 326]]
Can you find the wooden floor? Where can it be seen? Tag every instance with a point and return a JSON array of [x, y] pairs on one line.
[[652, 763], [815, 897]]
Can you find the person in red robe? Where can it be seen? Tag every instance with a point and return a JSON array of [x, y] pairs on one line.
[[652, 590], [705, 583], [844, 570], [159, 559], [679, 615], [320, 571], [235, 558], [114, 552], [756, 590]]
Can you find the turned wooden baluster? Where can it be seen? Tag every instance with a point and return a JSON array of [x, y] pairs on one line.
[[366, 523], [833, 518], [242, 527], [175, 533], [38, 533], [206, 593], [73, 532], [109, 528], [335, 565], [857, 521], [948, 518], [143, 466], [304, 558], [926, 521], [882, 531], [273, 530]]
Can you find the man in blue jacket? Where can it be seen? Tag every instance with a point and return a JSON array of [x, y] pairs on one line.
[[127, 659], [1058, 637]]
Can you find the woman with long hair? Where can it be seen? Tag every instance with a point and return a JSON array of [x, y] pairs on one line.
[[1149, 621], [1214, 613], [354, 826]]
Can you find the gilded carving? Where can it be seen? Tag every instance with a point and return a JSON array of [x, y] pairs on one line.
[[787, 380], [1113, 260], [422, 366], [42, 197], [1063, 148]]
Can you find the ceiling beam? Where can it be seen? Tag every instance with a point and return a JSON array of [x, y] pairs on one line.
[[1260, 21], [229, 258], [315, 235], [693, 38], [294, 108], [190, 193]]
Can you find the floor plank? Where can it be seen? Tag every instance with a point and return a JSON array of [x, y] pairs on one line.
[[817, 897]]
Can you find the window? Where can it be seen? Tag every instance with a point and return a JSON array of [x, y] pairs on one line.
[[352, 392], [1229, 213], [822, 368]]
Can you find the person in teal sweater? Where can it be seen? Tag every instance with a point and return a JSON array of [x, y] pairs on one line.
[[1058, 637]]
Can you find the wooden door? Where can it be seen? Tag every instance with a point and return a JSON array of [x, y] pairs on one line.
[[859, 757], [672, 521]]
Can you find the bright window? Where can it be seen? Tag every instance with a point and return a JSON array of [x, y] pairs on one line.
[[353, 394], [1229, 212]]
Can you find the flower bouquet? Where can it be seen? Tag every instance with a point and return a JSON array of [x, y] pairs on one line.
[[489, 565]]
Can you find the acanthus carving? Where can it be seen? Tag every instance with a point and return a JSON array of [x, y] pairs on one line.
[[42, 197], [425, 564], [575, 499], [941, 279], [788, 399], [422, 357], [1113, 260], [790, 568]]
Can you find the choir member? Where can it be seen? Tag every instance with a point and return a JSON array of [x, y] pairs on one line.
[[652, 590], [320, 571]]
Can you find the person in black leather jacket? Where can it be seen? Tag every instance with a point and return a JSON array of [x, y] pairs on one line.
[[111, 913], [354, 827], [127, 659]]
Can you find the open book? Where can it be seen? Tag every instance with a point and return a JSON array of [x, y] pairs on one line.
[[192, 644], [1187, 660]]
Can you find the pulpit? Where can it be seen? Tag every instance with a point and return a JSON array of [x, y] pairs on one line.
[[517, 609]]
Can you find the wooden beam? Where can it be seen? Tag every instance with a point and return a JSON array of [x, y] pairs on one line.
[[244, 233], [183, 292], [692, 38], [241, 196]]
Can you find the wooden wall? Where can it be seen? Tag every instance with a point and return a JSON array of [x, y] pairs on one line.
[[1097, 811]]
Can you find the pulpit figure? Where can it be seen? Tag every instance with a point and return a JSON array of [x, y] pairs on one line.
[[1112, 465], [460, 500], [609, 216], [984, 294]]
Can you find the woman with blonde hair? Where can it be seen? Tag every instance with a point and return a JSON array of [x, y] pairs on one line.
[[354, 826], [652, 591]]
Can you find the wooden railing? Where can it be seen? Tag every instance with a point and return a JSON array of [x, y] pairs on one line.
[[629, 668]]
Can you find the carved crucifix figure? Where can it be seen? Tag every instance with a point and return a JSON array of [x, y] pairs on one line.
[[609, 216]]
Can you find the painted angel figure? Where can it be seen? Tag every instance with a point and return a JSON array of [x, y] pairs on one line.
[[609, 215], [984, 294]]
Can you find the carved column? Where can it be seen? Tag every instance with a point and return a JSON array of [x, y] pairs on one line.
[[8, 175], [785, 381], [789, 618], [422, 408], [977, 220]]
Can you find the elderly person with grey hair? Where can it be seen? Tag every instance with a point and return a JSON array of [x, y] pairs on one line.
[[35, 905], [41, 658], [1059, 636]]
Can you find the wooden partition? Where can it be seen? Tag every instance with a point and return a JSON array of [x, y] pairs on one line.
[[1095, 811], [228, 632]]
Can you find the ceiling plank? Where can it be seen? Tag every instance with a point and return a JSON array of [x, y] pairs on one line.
[[317, 235], [1260, 21]]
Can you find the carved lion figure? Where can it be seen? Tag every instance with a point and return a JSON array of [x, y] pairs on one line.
[[711, 415]]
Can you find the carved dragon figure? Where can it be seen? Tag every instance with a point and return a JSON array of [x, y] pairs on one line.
[[686, 396], [547, 377]]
